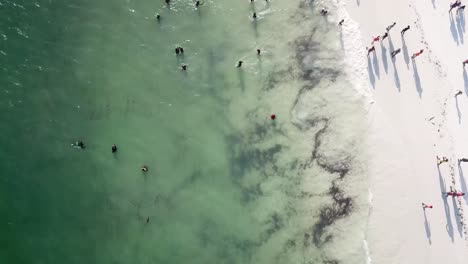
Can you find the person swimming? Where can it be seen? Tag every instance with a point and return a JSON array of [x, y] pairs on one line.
[[78, 144], [183, 67], [179, 50], [144, 168]]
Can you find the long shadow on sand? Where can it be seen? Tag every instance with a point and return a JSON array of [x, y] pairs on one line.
[[376, 65], [427, 226], [396, 78], [417, 80], [449, 226], [460, 28], [465, 81], [405, 51], [463, 186], [453, 30], [457, 217], [458, 110], [384, 57], [462, 21], [371, 72]]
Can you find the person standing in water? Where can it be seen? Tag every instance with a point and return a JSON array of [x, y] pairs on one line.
[[258, 51], [114, 148], [239, 64]]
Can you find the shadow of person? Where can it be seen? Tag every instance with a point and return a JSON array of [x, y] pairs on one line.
[[376, 65], [460, 29], [465, 81], [240, 74], [417, 80], [405, 51], [255, 27], [396, 78], [457, 217], [449, 226], [462, 20], [384, 57], [427, 226], [463, 186], [453, 30], [371, 72], [458, 110]]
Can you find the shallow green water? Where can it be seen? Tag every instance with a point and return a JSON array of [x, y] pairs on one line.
[[226, 184]]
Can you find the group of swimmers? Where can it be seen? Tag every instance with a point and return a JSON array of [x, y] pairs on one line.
[[80, 144]]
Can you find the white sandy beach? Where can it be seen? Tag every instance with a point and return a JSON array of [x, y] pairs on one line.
[[413, 117]]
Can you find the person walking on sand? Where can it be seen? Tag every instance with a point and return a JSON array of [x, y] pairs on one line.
[[453, 5], [395, 52], [375, 39], [391, 26], [341, 22], [458, 93], [462, 160], [369, 50], [440, 161], [454, 194], [385, 36], [426, 206], [417, 53], [461, 9], [465, 62], [404, 30]]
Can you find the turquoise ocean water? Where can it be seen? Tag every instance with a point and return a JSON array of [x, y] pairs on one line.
[[225, 183]]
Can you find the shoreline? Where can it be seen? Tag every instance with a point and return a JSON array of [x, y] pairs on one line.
[[413, 117]]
